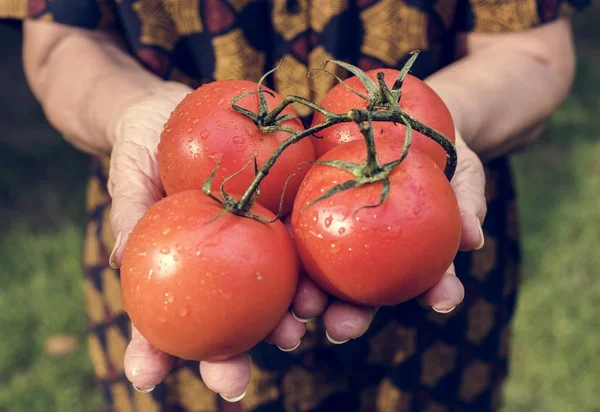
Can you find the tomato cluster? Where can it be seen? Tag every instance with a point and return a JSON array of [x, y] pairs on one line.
[[210, 270]]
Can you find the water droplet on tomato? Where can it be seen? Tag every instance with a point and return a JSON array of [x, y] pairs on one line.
[[384, 230], [315, 234], [198, 252], [341, 231], [238, 139], [165, 250], [189, 130], [183, 312], [195, 121], [221, 100], [169, 297], [150, 273], [334, 248], [179, 248], [166, 231], [204, 134], [328, 221], [417, 210]]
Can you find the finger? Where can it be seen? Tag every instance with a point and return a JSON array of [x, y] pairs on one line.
[[344, 321], [310, 300], [445, 295], [469, 187], [134, 181], [228, 378], [288, 334], [145, 366]]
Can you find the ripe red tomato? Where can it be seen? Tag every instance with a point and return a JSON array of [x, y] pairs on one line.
[[383, 255], [206, 291], [418, 100], [204, 129]]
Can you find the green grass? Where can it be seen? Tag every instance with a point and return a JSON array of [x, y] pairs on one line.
[[555, 365], [41, 294]]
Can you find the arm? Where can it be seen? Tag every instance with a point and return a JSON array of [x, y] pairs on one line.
[[103, 101], [507, 85], [83, 80]]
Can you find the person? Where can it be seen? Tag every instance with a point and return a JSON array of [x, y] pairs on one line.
[[109, 73]]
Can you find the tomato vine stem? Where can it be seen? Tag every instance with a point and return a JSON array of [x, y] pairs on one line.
[[383, 107]]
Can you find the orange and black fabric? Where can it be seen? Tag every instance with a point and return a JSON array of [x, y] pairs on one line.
[[411, 359]]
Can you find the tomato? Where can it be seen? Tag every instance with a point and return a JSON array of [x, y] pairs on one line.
[[384, 255], [206, 291], [418, 100], [204, 129]]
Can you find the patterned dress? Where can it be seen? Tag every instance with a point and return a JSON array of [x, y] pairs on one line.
[[410, 359]]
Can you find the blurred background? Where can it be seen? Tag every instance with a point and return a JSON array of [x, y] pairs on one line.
[[556, 347]]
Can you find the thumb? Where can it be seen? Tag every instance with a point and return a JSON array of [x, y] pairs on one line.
[[469, 187], [134, 185], [134, 181]]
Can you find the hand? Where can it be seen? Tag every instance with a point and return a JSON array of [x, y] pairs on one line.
[[344, 321], [134, 186]]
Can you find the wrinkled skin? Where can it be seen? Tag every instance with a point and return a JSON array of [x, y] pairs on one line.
[[189, 282], [379, 256], [418, 100], [204, 130]]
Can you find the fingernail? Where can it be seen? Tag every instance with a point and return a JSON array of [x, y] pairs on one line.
[[298, 318], [335, 342], [290, 349], [482, 241], [143, 390], [443, 310], [111, 258], [236, 399]]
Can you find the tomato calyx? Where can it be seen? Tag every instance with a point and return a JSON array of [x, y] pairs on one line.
[[371, 171], [238, 207], [263, 119], [380, 96]]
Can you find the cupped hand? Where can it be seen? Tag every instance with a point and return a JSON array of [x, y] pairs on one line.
[[344, 321], [134, 186]]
